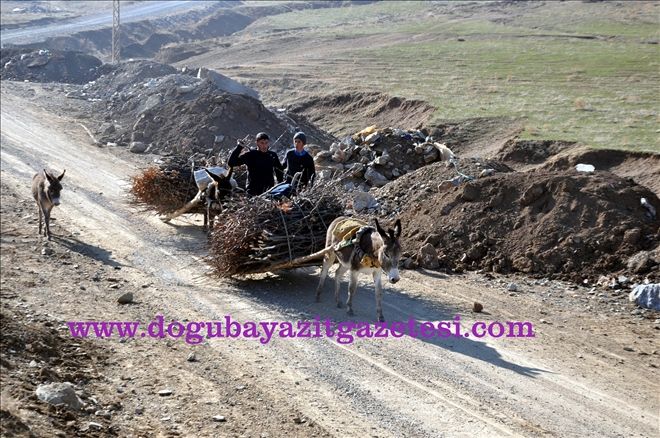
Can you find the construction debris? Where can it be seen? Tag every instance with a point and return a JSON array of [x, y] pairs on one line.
[[375, 156]]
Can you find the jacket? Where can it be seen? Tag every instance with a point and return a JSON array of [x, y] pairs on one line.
[[295, 163], [263, 168]]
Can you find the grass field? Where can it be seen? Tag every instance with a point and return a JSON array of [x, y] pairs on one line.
[[579, 71]]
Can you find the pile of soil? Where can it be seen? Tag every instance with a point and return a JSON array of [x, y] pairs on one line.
[[561, 224], [426, 181], [532, 151], [171, 111], [346, 112], [48, 66], [642, 167]]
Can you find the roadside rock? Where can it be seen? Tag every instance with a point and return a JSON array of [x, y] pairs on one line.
[[126, 298], [640, 262], [471, 192], [58, 394], [646, 295], [375, 178], [137, 147], [427, 257], [364, 201]]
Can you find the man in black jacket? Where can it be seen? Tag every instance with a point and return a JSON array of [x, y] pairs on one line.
[[299, 160], [263, 165]]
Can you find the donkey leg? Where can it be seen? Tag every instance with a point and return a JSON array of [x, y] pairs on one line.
[[47, 221], [352, 289], [378, 283], [339, 274], [328, 261], [41, 214]]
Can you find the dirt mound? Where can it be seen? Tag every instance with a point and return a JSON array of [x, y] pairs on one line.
[[48, 66], [166, 110], [642, 167], [33, 351], [340, 114], [115, 79], [532, 151], [558, 224], [427, 180]]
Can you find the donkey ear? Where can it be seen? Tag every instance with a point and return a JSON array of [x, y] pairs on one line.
[[49, 177], [213, 176], [382, 232], [61, 176], [397, 228]]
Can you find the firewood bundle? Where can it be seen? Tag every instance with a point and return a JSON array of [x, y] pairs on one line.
[[165, 187], [257, 234], [168, 186]]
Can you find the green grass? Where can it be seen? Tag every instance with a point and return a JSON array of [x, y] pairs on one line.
[[352, 16], [598, 93], [602, 92]]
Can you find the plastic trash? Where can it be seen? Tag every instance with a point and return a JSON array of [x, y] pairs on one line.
[[367, 131], [585, 168], [202, 179], [650, 208]]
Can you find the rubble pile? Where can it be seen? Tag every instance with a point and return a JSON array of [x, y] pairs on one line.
[[156, 108], [373, 157], [560, 224], [435, 178], [48, 66]]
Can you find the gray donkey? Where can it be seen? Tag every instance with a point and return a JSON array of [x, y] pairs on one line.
[[46, 190]]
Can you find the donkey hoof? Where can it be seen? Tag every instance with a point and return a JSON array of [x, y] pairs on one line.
[[318, 299], [381, 318], [339, 304], [350, 312], [165, 219]]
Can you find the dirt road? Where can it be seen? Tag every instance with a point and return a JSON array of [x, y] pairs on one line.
[[129, 13], [588, 372]]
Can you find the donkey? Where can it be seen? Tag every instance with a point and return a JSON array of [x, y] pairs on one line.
[[212, 194], [216, 193], [361, 248], [46, 190]]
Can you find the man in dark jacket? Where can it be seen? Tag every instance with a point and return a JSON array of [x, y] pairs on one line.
[[263, 165], [299, 160]]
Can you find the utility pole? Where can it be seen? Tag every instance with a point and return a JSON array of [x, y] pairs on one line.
[[116, 52]]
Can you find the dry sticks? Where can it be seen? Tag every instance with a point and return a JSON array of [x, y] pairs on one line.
[[165, 188], [254, 234]]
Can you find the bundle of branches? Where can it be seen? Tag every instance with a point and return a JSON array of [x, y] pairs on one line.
[[256, 234], [169, 185], [165, 187]]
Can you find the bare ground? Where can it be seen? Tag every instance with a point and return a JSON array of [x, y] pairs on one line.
[[588, 372]]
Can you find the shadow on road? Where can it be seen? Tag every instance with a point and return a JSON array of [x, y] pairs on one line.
[[99, 254], [292, 294]]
